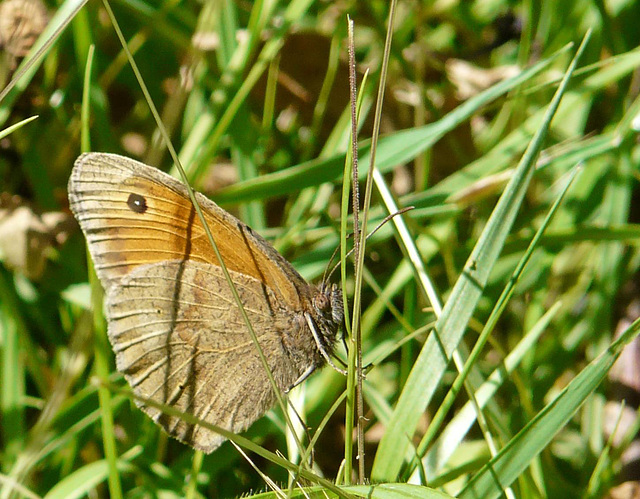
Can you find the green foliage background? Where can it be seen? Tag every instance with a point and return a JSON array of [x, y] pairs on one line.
[[255, 98]]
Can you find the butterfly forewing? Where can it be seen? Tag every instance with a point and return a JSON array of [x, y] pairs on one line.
[[133, 214]]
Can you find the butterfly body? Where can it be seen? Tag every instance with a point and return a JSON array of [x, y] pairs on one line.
[[179, 337]]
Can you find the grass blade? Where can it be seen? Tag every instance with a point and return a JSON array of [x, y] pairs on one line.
[[451, 325]]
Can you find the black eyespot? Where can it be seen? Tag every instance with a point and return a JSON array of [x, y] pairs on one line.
[[137, 203]]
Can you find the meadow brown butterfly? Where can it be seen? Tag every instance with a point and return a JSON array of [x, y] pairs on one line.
[[176, 330]]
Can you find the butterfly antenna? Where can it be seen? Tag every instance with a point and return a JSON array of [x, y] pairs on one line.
[[325, 277], [378, 227], [389, 217]]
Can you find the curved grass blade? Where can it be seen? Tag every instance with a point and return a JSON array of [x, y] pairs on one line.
[[437, 351], [534, 437]]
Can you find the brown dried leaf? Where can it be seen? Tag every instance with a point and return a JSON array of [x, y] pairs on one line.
[[470, 80], [626, 490], [26, 237]]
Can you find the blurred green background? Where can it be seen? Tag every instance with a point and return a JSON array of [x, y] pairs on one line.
[[255, 98]]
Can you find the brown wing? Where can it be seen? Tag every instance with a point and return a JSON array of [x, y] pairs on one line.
[[180, 340], [134, 215]]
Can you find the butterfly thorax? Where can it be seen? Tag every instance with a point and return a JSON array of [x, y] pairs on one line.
[[321, 310]]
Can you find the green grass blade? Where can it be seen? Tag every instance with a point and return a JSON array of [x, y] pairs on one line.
[[381, 491], [461, 423], [16, 126], [519, 452], [393, 149], [451, 325], [84, 480]]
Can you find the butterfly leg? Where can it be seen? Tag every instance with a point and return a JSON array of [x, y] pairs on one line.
[[323, 350], [302, 377]]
